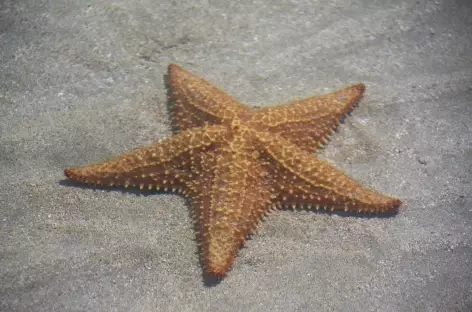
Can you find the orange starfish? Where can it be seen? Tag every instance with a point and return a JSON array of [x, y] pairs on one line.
[[237, 163]]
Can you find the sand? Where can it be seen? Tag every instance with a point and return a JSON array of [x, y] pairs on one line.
[[83, 80]]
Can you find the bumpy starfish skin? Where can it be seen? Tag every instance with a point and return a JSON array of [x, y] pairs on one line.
[[236, 164]]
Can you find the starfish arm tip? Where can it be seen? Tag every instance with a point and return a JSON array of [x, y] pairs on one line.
[[396, 205], [172, 66], [67, 172], [360, 86]]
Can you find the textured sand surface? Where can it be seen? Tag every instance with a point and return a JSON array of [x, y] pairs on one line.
[[83, 80]]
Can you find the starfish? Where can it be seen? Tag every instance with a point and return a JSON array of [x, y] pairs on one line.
[[237, 164]]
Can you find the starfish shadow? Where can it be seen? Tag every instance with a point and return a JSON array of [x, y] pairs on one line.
[[360, 215]]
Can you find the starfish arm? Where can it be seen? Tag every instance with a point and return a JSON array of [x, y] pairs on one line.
[[304, 180], [167, 164], [197, 102], [308, 122], [231, 209]]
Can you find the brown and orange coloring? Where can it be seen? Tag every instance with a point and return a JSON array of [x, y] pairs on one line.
[[237, 163]]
